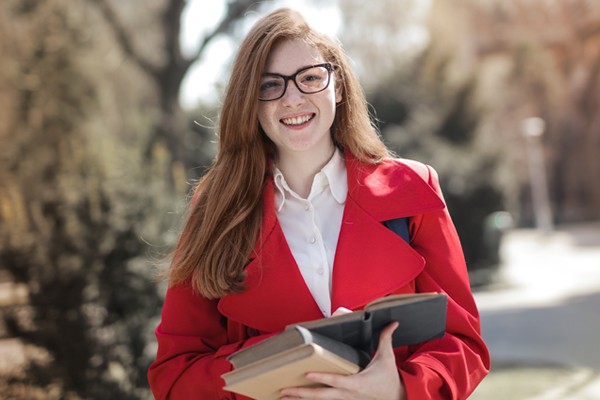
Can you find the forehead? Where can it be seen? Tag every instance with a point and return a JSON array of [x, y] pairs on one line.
[[287, 56]]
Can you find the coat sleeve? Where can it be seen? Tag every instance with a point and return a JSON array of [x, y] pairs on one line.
[[194, 340], [450, 367]]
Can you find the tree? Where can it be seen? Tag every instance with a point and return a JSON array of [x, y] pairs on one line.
[[167, 74], [554, 74], [70, 232], [83, 193]]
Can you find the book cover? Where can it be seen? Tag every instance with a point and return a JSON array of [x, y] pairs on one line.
[[421, 317]]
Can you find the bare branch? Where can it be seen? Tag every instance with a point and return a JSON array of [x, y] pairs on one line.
[[171, 19], [124, 38], [235, 10]]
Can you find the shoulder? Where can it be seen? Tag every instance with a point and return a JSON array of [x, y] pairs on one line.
[[406, 171], [395, 186], [421, 169]]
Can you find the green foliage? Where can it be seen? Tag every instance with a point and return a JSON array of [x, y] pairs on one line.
[[77, 208]]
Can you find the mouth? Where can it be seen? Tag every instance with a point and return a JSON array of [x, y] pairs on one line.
[[297, 121]]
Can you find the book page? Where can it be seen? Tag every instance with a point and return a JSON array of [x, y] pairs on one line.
[[397, 299]]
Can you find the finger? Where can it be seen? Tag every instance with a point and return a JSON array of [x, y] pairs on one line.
[[388, 331], [341, 311], [310, 393], [385, 338], [332, 380]]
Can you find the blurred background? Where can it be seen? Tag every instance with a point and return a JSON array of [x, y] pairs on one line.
[[107, 115]]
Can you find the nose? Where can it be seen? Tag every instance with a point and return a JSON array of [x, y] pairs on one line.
[[292, 96]]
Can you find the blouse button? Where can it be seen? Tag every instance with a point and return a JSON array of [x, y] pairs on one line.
[[320, 271], [312, 240]]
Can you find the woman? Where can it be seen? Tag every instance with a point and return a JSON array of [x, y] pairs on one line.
[[287, 226]]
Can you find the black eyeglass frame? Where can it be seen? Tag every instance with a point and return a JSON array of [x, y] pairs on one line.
[[286, 78]]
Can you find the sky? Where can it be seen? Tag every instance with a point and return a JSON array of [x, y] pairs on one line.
[[201, 16]]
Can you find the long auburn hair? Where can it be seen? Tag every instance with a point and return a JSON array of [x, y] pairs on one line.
[[224, 217]]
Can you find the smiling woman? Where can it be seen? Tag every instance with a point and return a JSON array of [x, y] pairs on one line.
[[289, 224]]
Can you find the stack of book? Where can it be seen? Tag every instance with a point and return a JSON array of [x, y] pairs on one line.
[[340, 344]]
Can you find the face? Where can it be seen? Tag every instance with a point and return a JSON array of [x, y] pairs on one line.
[[298, 123]]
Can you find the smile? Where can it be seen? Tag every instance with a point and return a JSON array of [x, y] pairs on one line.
[[297, 120]]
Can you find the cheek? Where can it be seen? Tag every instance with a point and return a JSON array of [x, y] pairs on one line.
[[330, 102], [265, 118], [262, 116]]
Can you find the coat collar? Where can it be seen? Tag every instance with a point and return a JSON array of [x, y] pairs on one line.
[[370, 262]]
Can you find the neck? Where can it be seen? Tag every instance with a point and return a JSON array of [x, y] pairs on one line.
[[300, 168]]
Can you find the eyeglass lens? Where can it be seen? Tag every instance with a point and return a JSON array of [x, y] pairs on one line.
[[310, 80]]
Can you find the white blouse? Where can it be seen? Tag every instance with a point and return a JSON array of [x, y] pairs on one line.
[[312, 226]]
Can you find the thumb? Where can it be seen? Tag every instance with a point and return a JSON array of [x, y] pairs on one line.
[[385, 340]]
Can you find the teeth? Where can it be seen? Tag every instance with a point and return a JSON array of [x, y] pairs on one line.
[[297, 120]]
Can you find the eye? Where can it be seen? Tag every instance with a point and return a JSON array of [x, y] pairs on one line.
[[309, 78], [313, 77], [270, 84]]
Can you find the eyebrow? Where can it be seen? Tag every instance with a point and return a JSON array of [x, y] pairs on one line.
[[299, 69]]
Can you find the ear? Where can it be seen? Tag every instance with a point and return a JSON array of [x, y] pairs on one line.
[[338, 89]]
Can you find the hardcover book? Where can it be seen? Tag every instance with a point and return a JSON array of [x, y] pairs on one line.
[[421, 317]]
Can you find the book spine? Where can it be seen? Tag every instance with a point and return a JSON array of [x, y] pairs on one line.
[[349, 353], [367, 339]]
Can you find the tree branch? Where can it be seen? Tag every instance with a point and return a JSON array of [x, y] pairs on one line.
[[124, 38], [235, 10], [171, 19]]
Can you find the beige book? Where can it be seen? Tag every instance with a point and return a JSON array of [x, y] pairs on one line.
[[264, 379]]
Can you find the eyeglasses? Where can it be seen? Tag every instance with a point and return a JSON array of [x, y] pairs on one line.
[[308, 80]]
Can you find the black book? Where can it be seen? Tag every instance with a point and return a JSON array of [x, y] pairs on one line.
[[421, 317]]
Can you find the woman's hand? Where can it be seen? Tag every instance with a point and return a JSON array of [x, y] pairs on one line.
[[379, 381]]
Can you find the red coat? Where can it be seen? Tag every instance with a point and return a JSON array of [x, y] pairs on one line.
[[196, 335]]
